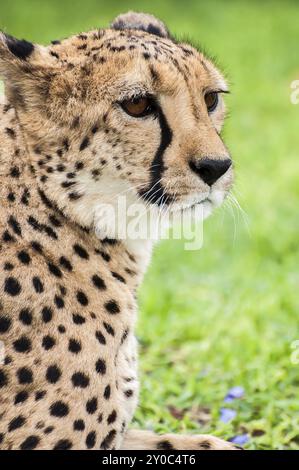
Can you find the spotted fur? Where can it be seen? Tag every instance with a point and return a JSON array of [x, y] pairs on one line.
[[67, 295]]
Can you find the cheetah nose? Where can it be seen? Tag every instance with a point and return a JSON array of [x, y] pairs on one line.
[[210, 169]]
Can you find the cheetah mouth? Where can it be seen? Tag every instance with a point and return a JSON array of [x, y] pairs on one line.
[[203, 201], [178, 206], [206, 202], [161, 199]]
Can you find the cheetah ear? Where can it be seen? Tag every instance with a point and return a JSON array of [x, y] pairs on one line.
[[19, 49], [142, 22], [25, 69]]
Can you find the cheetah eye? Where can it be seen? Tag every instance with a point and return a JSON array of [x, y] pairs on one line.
[[211, 100], [139, 106]]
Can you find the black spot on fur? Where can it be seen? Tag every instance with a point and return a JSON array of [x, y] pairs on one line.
[[36, 246], [12, 286], [45, 200], [54, 270], [63, 444], [74, 346], [25, 316], [50, 232], [25, 197], [112, 417], [118, 277], [80, 251], [100, 337], [22, 345], [8, 267], [59, 409], [40, 395], [54, 54], [101, 367], [107, 392], [14, 224], [91, 440], [11, 197], [21, 397], [16, 423], [7, 360], [98, 282], [106, 443], [25, 375], [109, 329], [78, 319], [79, 425], [49, 429], [48, 342], [164, 445], [65, 263], [79, 165], [10, 132], [24, 257], [47, 314], [54, 221], [106, 257], [5, 324], [79, 379], [38, 285], [7, 237], [92, 405], [82, 299], [109, 241], [53, 374], [204, 445], [3, 379], [112, 307], [124, 336], [84, 144], [67, 184], [35, 224], [30, 443], [59, 302], [74, 196]]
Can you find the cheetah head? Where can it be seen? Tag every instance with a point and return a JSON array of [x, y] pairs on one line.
[[122, 111]]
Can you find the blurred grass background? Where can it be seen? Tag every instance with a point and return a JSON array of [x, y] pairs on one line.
[[225, 315]]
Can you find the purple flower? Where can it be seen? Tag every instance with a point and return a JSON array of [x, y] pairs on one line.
[[240, 440], [227, 414], [233, 393]]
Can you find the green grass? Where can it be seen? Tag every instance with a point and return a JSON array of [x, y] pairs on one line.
[[227, 314]]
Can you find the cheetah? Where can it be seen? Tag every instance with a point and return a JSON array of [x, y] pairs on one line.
[[127, 109]]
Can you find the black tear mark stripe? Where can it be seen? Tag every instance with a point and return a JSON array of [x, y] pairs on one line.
[[20, 48], [155, 193]]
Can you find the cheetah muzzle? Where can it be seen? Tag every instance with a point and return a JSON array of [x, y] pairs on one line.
[[125, 110]]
